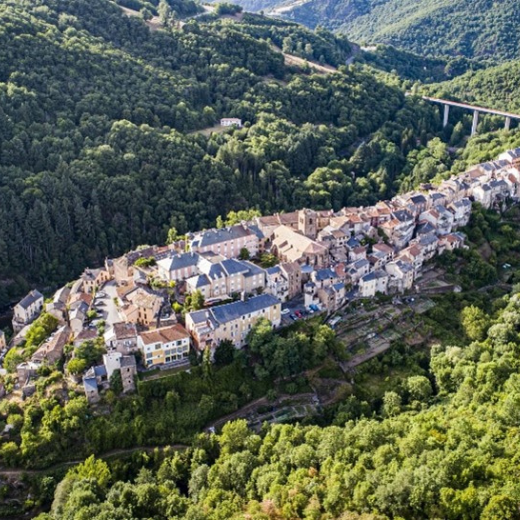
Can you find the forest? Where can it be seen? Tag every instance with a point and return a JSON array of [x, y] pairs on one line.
[[478, 29], [99, 143]]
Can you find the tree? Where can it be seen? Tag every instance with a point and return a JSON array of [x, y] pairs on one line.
[[391, 404], [224, 353], [116, 382], [165, 12], [194, 301], [76, 366], [475, 322], [92, 469], [146, 14], [12, 359], [173, 236], [244, 254], [419, 387]]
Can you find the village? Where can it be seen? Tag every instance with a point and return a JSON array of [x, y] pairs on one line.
[[153, 306]]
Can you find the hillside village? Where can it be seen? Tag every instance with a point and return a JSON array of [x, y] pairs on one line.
[[150, 307]]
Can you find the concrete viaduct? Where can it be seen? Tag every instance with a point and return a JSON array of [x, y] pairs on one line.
[[476, 111]]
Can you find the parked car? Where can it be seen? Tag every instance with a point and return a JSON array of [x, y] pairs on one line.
[[293, 317], [299, 314], [285, 311]]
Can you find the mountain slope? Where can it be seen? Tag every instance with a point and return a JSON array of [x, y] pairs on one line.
[[471, 28]]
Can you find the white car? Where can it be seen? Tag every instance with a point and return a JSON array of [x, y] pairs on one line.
[[286, 311]]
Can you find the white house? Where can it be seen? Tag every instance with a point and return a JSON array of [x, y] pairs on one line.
[[27, 310], [231, 121]]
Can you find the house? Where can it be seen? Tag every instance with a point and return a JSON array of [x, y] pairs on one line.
[[94, 379], [512, 157], [384, 249], [122, 337], [52, 350], [58, 306], [228, 242], [290, 246], [277, 283], [413, 255], [483, 195], [88, 334], [399, 230], [142, 306], [440, 218], [225, 277], [358, 269], [232, 321], [428, 244], [357, 253], [499, 190], [461, 210], [325, 278], [332, 297], [27, 310], [93, 279], [166, 345], [451, 242], [27, 370], [231, 121], [126, 365], [78, 317], [373, 283], [401, 276], [332, 238], [293, 274], [178, 267]]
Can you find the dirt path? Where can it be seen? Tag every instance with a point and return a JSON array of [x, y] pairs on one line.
[[17, 472]]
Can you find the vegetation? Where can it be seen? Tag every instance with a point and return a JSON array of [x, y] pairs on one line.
[[477, 29], [493, 87], [441, 450]]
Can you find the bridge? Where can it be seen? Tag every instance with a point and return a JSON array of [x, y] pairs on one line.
[[476, 111]]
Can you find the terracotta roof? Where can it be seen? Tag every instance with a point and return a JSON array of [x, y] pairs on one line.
[[164, 335]]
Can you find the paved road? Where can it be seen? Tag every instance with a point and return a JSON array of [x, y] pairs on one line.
[[107, 309]]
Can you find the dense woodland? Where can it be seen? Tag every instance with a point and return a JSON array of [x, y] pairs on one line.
[[478, 29], [96, 154]]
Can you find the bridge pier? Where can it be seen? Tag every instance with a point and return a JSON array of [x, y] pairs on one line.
[[446, 115], [475, 123], [508, 123]]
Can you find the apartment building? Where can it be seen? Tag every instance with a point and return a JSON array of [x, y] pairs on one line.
[[164, 345], [233, 321]]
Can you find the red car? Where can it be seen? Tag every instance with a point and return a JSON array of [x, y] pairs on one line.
[[299, 314]]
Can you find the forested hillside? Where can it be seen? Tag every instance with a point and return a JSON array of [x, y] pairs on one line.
[[442, 446], [471, 28], [98, 145]]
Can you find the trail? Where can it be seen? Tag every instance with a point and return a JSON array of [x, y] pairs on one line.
[[18, 472]]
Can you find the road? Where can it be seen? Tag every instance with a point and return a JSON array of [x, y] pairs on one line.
[[106, 307]]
